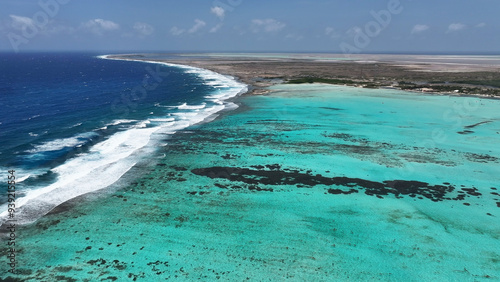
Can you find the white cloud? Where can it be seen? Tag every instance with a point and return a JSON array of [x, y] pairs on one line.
[[481, 25], [51, 27], [99, 26], [419, 28], [216, 28], [267, 25], [219, 12], [456, 27], [143, 28], [331, 32], [294, 36], [21, 23], [176, 31], [198, 24], [240, 30], [58, 29], [354, 31]]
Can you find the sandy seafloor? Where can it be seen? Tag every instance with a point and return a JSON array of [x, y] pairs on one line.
[[290, 186]]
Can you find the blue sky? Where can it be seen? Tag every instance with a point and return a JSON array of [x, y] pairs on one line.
[[259, 25]]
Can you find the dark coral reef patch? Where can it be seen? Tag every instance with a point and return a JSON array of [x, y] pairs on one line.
[[275, 175]]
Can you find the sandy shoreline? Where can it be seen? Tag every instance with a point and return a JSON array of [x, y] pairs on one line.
[[458, 75]]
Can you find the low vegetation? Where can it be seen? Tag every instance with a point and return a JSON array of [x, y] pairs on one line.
[[485, 87], [320, 80], [491, 83]]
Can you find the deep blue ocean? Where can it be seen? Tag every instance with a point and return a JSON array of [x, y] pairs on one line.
[[69, 118]]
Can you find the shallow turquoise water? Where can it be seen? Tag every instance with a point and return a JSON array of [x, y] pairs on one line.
[[291, 186]]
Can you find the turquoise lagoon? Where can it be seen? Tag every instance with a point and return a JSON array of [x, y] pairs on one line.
[[310, 183]]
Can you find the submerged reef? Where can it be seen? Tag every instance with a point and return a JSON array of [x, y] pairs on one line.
[[275, 175]]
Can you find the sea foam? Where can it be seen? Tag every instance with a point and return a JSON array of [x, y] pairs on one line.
[[63, 143]]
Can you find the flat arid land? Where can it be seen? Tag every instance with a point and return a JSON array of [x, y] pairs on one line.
[[469, 75]]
